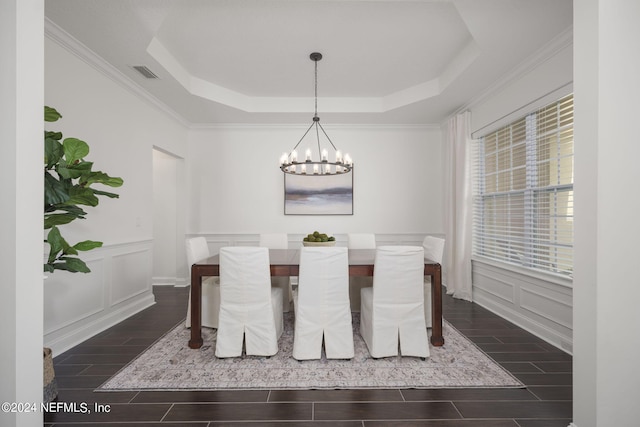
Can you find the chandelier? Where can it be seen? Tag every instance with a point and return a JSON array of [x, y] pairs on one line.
[[322, 164]]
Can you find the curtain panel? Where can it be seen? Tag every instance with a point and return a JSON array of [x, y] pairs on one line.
[[458, 207]]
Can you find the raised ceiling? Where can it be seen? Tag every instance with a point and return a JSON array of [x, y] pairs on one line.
[[247, 61]]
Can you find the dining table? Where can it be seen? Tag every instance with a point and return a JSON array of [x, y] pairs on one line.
[[286, 262]]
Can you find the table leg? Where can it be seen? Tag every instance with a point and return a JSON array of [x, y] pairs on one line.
[[436, 308], [196, 298]]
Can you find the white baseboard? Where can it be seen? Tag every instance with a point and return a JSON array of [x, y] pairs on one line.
[[84, 330], [563, 343]]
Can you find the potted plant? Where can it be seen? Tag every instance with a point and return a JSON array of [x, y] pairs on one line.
[[68, 180]]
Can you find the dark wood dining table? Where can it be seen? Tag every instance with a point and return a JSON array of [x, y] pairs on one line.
[[285, 262]]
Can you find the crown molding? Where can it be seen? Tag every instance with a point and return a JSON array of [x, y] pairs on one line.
[[544, 54], [56, 34], [271, 126]]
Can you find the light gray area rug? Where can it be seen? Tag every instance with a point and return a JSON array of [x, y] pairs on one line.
[[170, 364]]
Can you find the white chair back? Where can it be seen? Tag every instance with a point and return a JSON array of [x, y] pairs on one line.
[[393, 310], [246, 308], [398, 270], [279, 241], [356, 284], [274, 240], [433, 250], [198, 250], [322, 306], [361, 241]]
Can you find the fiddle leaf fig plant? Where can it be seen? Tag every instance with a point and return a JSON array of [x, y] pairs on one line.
[[67, 186]]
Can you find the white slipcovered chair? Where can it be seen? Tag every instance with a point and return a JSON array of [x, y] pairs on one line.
[[356, 284], [321, 305], [433, 250], [393, 309], [279, 241], [250, 308], [197, 250]]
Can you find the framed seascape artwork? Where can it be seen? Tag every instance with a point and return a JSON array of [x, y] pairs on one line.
[[318, 194]]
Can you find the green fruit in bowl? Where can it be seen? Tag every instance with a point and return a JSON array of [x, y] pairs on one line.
[[332, 239]]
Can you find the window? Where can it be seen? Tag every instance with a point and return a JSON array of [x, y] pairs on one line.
[[523, 191]]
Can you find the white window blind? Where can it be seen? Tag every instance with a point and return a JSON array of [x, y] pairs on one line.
[[523, 191]]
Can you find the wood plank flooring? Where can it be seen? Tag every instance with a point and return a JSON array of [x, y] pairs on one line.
[[545, 402]]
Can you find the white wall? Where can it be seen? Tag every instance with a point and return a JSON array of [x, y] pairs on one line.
[[165, 218], [122, 128], [541, 304], [21, 187], [236, 186], [607, 290]]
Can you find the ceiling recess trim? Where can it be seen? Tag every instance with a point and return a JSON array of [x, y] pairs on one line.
[[263, 104]]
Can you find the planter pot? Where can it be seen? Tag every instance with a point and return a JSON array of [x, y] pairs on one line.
[[50, 387]]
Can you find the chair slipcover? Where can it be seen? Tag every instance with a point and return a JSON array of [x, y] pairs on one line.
[[197, 250], [322, 305], [356, 284], [279, 241], [361, 240], [433, 250], [249, 307], [393, 309]]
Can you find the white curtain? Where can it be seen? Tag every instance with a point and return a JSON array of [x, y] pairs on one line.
[[458, 207]]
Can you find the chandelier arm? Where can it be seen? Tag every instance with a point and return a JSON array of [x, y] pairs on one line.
[[305, 134], [318, 140], [325, 134]]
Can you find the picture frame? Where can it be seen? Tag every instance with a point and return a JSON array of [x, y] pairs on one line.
[[318, 194]]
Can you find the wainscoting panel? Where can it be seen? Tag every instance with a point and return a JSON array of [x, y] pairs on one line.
[[72, 297], [130, 275], [542, 305], [77, 306]]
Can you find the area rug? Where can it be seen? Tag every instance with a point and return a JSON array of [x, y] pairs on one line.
[[170, 364]]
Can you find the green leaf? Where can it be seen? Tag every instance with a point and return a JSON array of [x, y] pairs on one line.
[[53, 135], [53, 152], [103, 178], [105, 193], [74, 265], [54, 191], [57, 219], [56, 243], [51, 114], [69, 250], [74, 149], [74, 171], [82, 196], [48, 268], [70, 209], [87, 245]]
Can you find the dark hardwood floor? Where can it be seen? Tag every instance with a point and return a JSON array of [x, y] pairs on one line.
[[546, 401]]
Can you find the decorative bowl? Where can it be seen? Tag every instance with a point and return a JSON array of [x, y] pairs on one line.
[[319, 243]]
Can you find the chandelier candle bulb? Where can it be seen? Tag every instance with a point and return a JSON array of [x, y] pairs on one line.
[[303, 169], [324, 155], [315, 169], [294, 156], [338, 157], [308, 155]]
